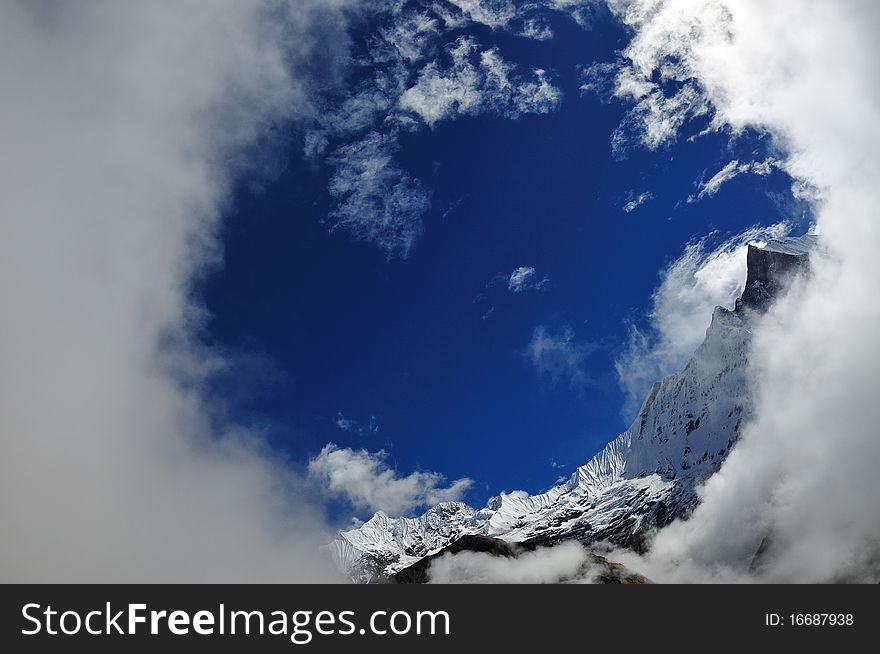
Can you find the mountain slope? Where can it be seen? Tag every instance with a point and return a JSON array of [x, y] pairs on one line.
[[643, 479]]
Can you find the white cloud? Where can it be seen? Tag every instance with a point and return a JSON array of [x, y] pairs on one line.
[[558, 358], [366, 481], [377, 201], [803, 477], [355, 132], [537, 28], [566, 562], [655, 117], [535, 96], [702, 278], [581, 12], [477, 82], [412, 35], [357, 113], [635, 201], [492, 13], [440, 94], [529, 17], [728, 172], [525, 278], [121, 141]]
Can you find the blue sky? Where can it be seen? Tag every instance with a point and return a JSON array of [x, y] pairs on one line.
[[431, 356]]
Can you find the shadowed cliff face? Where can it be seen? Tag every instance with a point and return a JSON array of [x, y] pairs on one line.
[[772, 268], [641, 481]]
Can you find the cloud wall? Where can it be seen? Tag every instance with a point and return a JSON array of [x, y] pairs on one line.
[[123, 128]]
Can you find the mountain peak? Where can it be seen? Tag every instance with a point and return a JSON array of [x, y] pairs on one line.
[[643, 479], [771, 267]]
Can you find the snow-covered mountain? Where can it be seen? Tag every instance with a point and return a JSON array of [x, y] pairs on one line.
[[642, 479]]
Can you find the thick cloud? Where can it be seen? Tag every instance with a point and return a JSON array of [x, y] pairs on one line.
[[545, 565], [123, 125], [803, 479]]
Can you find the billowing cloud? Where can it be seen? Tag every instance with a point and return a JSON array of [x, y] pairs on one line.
[[127, 125], [557, 357], [546, 565], [702, 278], [801, 484], [367, 482]]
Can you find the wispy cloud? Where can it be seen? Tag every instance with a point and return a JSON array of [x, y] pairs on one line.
[[635, 201], [368, 483], [525, 278], [413, 35], [377, 201], [558, 358], [118, 465], [492, 13], [354, 426], [520, 280], [345, 424], [416, 79], [732, 169], [537, 28], [477, 82], [655, 116]]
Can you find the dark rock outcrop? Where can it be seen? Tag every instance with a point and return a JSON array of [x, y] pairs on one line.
[[772, 268]]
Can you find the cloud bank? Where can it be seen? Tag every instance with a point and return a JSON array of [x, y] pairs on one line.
[[124, 128], [801, 485], [546, 565]]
